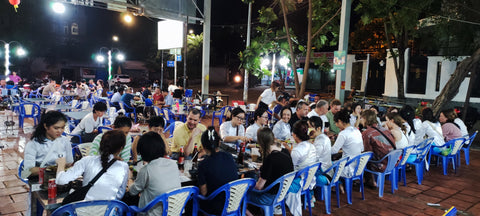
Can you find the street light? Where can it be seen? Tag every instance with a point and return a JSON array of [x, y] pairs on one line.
[[115, 38], [19, 52], [58, 7], [101, 58]]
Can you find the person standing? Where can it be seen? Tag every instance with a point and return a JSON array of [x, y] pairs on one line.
[[268, 96], [14, 78]]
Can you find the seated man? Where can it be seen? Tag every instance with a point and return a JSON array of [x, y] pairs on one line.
[[49, 89], [189, 133], [127, 99], [123, 124], [87, 128], [116, 98]]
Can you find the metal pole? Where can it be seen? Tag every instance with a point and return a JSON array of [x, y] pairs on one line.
[[110, 64], [175, 69], [7, 59], [245, 80], [161, 71], [274, 61], [366, 76], [184, 59], [206, 46], [343, 46]]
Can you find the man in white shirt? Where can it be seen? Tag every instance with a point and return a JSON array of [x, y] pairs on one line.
[[320, 110]]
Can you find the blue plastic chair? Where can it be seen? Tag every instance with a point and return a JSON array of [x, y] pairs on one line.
[[308, 175], [170, 128], [455, 146], [360, 162], [29, 110], [169, 116], [102, 129], [235, 196], [220, 115], [114, 207], [326, 190], [129, 110], [401, 167], [173, 202], [20, 170], [392, 158], [466, 148], [422, 151], [283, 183]]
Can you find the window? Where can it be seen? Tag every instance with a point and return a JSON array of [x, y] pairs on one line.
[[438, 75], [74, 29]]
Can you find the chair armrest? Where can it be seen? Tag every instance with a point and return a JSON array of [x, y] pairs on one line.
[[134, 209], [203, 197]]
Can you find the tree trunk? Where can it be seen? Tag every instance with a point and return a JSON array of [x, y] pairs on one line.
[[292, 53], [451, 88], [397, 65], [309, 51]]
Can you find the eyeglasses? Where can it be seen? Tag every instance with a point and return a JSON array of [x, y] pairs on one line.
[[239, 118], [265, 117]]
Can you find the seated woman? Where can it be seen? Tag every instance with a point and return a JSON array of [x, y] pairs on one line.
[[303, 154], [323, 148], [217, 169], [87, 128], [47, 144], [112, 184], [261, 120], [432, 128], [275, 165], [282, 130], [349, 140], [395, 124], [233, 131], [355, 115], [158, 176], [124, 124], [450, 129]]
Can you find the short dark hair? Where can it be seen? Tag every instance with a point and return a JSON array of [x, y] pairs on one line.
[[156, 121], [300, 129], [316, 122], [237, 111], [342, 115], [194, 111], [122, 121], [300, 104], [335, 102], [427, 115], [100, 106], [258, 113], [151, 146]]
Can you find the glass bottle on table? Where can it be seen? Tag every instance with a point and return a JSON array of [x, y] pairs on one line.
[[181, 159], [241, 153]]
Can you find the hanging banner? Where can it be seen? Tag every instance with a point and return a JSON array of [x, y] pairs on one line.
[[339, 60]]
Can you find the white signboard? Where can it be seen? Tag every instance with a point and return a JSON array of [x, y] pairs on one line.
[[170, 34]]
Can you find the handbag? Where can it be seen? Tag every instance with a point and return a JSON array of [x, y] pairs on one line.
[[80, 193]]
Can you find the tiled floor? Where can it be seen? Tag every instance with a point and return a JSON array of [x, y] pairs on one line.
[[457, 189]]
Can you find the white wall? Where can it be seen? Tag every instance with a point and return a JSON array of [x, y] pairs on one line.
[[448, 67]]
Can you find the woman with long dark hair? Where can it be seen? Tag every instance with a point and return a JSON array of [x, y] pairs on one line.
[[217, 169], [112, 184], [47, 144], [395, 124]]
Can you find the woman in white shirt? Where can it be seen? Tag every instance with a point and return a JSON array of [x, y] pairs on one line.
[[159, 174], [349, 140], [87, 128], [233, 131], [395, 124], [432, 128], [261, 119], [268, 96], [355, 116], [282, 130], [47, 144], [323, 148], [112, 184]]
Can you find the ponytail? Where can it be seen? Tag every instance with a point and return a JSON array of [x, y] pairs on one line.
[[210, 140]]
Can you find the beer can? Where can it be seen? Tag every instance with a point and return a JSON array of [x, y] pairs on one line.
[[52, 189], [41, 175]]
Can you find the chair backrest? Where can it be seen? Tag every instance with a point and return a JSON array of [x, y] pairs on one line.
[[74, 104], [469, 139], [360, 162], [392, 158], [422, 150], [307, 174], [95, 207], [456, 145], [235, 192], [85, 148], [338, 166], [20, 171], [406, 153], [158, 111], [29, 110], [102, 129], [85, 105], [173, 201]]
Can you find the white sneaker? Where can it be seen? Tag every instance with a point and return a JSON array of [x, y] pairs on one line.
[[277, 210], [312, 201]]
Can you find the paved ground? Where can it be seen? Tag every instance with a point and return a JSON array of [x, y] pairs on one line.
[[455, 189]]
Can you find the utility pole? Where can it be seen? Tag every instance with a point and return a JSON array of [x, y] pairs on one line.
[[245, 79], [206, 46], [343, 46]]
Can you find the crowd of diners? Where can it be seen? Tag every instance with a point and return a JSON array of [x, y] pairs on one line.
[[290, 134]]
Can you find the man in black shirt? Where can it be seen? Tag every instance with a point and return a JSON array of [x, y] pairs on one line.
[[301, 113]]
